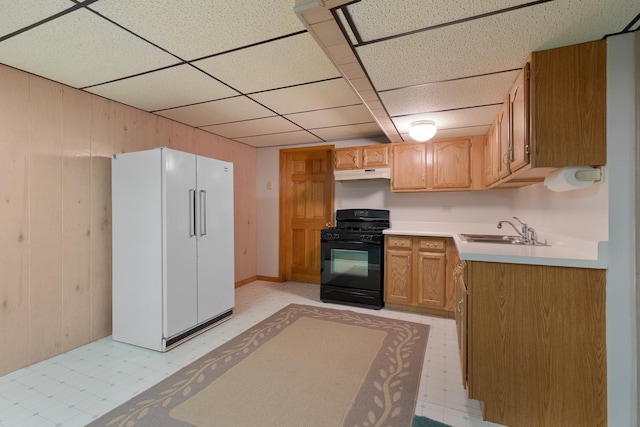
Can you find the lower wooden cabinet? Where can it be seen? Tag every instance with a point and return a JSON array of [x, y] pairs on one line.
[[459, 279], [536, 352], [417, 274]]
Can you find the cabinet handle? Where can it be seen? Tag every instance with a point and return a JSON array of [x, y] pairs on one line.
[[459, 304], [192, 213], [203, 213], [505, 157]]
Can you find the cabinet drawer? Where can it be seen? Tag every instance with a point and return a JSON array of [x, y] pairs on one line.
[[400, 242], [431, 245]]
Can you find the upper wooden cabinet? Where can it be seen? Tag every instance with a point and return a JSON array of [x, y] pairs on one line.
[[362, 157], [444, 165], [409, 167], [556, 116], [503, 136], [375, 156], [451, 164], [518, 101], [348, 158], [568, 105], [491, 156]]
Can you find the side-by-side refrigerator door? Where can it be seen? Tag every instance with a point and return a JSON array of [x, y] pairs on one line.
[[180, 287], [215, 238]]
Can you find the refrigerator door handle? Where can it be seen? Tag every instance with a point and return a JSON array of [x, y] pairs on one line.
[[192, 213], [203, 213]]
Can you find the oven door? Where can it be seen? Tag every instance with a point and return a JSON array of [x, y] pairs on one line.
[[356, 265]]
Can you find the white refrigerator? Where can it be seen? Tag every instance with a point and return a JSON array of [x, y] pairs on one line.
[[173, 238]]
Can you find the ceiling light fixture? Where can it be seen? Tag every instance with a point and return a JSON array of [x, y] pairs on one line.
[[423, 130]]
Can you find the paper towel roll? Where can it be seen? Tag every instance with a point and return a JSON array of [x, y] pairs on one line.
[[571, 178]]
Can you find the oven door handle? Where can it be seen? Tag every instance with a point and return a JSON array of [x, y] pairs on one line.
[[351, 292], [351, 242]]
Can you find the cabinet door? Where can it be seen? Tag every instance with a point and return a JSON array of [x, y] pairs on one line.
[[504, 142], [375, 156], [216, 275], [348, 158], [452, 164], [461, 317], [430, 282], [569, 105], [519, 114], [409, 171], [398, 276], [180, 293], [534, 332], [491, 154]]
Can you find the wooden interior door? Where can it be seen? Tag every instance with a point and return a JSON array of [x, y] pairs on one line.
[[306, 207]]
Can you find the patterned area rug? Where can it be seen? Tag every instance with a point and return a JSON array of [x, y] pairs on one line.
[[302, 366]]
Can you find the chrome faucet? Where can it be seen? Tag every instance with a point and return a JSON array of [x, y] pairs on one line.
[[527, 233]]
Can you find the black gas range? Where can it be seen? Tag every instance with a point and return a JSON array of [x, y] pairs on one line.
[[352, 267]]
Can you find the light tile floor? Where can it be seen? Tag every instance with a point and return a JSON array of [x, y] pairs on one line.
[[76, 387]]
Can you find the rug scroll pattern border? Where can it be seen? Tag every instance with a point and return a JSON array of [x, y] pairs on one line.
[[387, 397]]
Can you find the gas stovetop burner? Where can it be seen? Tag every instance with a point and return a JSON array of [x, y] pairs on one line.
[[357, 225], [362, 219]]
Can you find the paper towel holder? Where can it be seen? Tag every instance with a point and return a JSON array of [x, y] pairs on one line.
[[589, 173], [573, 177]]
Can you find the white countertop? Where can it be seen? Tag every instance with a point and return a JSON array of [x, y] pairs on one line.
[[562, 250]]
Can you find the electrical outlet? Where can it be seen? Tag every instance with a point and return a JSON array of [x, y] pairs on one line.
[[269, 185]]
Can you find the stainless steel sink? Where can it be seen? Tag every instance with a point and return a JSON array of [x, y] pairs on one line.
[[498, 238]]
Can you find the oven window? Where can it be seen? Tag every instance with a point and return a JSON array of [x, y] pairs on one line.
[[351, 262]]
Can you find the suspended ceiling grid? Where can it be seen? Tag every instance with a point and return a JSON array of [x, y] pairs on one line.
[[250, 71]]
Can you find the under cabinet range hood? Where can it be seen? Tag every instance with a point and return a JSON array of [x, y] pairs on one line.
[[353, 174]]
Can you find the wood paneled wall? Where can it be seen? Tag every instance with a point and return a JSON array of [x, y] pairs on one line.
[[56, 145]]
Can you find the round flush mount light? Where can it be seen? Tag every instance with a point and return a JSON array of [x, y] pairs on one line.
[[423, 130]]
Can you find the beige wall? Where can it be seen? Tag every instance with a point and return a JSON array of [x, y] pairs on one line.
[[56, 145]]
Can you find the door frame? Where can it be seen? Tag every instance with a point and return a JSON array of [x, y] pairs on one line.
[[284, 200]]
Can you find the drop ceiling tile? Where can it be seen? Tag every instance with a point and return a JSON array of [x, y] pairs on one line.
[[284, 62], [289, 138], [216, 112], [340, 116], [17, 15], [483, 90], [97, 50], [480, 116], [315, 96], [384, 18], [496, 43], [349, 132], [198, 28], [253, 127], [170, 87]]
